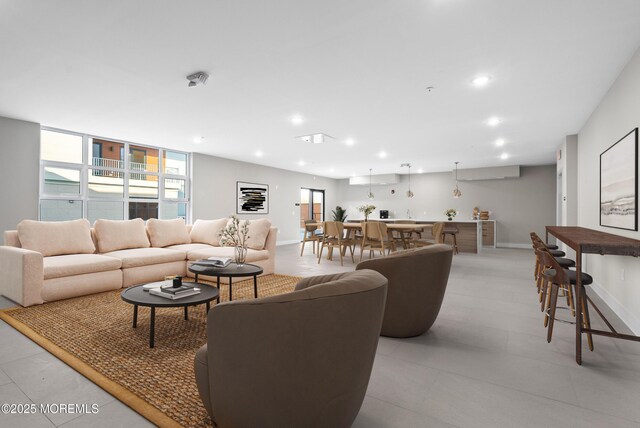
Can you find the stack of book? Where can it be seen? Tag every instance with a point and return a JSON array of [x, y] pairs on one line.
[[173, 293]]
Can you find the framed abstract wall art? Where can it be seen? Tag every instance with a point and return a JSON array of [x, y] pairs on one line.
[[619, 184], [252, 198]]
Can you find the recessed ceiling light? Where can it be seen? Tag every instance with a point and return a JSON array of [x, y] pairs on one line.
[[382, 155], [481, 81], [350, 141], [301, 163], [493, 121], [420, 171], [500, 142], [332, 170], [259, 153], [297, 119], [504, 156], [353, 174]]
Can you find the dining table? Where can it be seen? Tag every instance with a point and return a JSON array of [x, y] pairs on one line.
[[404, 230]]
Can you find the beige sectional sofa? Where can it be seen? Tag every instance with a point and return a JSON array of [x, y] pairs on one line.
[[47, 261]]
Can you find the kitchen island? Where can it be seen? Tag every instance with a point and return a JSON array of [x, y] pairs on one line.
[[472, 234]]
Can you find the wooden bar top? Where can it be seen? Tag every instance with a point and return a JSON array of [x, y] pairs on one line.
[[595, 241]]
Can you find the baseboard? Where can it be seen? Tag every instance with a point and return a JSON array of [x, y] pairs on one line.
[[622, 312], [512, 245], [291, 241]]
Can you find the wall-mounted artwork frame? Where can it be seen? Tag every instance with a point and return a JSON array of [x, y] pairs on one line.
[[619, 184], [252, 198]]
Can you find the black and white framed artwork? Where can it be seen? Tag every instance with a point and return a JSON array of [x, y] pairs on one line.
[[252, 198], [619, 184]]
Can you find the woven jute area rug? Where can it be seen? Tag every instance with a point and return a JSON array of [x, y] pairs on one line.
[[93, 334]]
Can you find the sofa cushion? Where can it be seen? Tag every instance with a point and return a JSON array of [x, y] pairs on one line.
[[252, 255], [163, 233], [188, 247], [78, 264], [54, 238], [146, 256], [258, 232], [208, 231], [115, 235]]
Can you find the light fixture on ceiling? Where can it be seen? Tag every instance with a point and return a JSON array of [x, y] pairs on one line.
[[297, 119], [504, 156], [382, 155], [370, 194], [481, 81], [500, 142], [409, 192], [199, 78], [301, 163], [317, 138], [350, 142], [494, 121], [259, 153], [456, 192]]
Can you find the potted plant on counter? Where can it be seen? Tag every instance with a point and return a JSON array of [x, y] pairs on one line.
[[339, 214], [451, 213]]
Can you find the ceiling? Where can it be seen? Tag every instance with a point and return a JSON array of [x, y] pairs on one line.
[[354, 69]]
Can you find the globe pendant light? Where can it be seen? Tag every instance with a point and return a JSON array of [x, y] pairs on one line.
[[409, 192], [456, 192], [370, 194]]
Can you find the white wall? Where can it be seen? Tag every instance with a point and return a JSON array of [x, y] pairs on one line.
[[520, 205], [214, 192], [567, 171], [20, 154], [617, 114]]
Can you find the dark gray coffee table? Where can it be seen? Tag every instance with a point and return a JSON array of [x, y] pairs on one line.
[[138, 297], [231, 271]]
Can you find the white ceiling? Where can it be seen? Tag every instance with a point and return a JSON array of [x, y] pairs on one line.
[[353, 69]]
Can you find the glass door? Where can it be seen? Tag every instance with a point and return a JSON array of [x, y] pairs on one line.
[[311, 206]]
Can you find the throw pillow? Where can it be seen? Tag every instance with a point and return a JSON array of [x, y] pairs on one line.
[[208, 231], [56, 238], [115, 235], [163, 233]]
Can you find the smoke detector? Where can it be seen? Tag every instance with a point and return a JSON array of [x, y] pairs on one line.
[[199, 78]]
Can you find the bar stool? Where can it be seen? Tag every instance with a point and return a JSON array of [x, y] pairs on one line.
[[560, 278], [453, 231]]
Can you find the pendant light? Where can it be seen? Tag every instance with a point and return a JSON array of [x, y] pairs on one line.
[[370, 194], [456, 192], [409, 192]]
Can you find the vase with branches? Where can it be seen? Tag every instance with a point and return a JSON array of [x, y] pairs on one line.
[[366, 210], [235, 235]]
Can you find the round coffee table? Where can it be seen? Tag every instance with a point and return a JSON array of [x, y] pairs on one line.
[[231, 271], [138, 297]]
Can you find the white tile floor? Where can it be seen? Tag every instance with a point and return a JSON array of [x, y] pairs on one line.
[[484, 363]]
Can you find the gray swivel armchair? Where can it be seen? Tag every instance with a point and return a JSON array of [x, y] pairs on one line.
[[417, 281], [292, 360]]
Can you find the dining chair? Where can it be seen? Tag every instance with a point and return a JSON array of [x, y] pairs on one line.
[[436, 233], [310, 235], [376, 237], [405, 238], [334, 237]]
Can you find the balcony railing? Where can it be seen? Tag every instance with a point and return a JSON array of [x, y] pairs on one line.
[[133, 166]]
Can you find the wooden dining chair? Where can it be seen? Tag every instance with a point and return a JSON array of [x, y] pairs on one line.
[[403, 238], [376, 237], [436, 234], [333, 237], [310, 235]]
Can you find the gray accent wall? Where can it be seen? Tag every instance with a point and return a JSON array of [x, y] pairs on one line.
[[616, 278], [214, 192], [519, 205], [19, 175]]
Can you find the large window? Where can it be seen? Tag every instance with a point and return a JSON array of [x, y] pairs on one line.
[[82, 176]]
